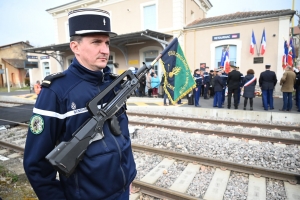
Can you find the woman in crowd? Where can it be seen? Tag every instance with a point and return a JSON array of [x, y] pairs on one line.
[[249, 83], [148, 84], [154, 85]]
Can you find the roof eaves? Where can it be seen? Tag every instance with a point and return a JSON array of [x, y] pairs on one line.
[[52, 9], [289, 12], [15, 43]]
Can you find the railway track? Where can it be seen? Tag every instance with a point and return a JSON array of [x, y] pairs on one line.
[[217, 186], [229, 130], [217, 121], [194, 165], [286, 181]]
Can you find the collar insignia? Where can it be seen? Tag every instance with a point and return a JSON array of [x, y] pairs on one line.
[[73, 106]]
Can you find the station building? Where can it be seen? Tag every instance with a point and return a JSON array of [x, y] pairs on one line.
[[12, 59], [145, 28]]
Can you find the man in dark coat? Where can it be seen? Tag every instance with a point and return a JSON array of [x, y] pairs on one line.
[[233, 82], [224, 77], [211, 83], [297, 86], [206, 82], [218, 88], [267, 82]]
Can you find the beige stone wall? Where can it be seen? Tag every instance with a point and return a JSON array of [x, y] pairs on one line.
[[200, 48], [192, 12], [14, 51], [165, 15], [63, 30]]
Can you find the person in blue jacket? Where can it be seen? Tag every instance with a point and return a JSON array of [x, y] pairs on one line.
[[197, 91], [107, 167], [218, 88]]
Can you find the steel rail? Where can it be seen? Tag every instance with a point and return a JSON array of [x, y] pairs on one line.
[[255, 170], [211, 132], [221, 133], [215, 121], [18, 123], [11, 146]]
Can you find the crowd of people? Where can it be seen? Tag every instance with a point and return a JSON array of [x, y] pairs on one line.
[[217, 84]]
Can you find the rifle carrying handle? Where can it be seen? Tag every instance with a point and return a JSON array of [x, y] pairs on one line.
[[114, 126]]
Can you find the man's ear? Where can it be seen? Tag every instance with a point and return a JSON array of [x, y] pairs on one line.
[[74, 46]]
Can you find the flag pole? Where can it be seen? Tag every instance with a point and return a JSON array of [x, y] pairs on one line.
[[181, 32], [257, 52]]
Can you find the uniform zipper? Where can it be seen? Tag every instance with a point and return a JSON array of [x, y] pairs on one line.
[[120, 153]]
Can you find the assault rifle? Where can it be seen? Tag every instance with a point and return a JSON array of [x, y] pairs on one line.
[[66, 155]]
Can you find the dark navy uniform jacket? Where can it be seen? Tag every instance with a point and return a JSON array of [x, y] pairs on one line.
[[219, 83], [224, 77], [107, 168], [198, 79], [267, 80], [206, 80]]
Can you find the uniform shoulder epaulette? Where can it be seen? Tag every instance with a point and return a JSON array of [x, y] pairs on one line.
[[49, 79]]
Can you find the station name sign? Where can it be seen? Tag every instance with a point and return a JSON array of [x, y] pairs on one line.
[[44, 57], [30, 65], [226, 37], [32, 58]]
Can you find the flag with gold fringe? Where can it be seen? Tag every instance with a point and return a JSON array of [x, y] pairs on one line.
[[178, 80]]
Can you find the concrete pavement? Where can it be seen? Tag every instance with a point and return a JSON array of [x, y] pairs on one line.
[[206, 108]]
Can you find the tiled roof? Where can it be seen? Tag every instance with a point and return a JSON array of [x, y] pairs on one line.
[[16, 44], [239, 16], [16, 63]]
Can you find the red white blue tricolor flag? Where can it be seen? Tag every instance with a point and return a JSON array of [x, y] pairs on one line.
[[253, 43], [285, 54], [225, 61], [263, 43], [292, 51]]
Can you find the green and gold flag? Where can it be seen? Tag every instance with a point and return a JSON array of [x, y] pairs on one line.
[[178, 80]]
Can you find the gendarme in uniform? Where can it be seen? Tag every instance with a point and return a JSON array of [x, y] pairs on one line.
[[108, 167]]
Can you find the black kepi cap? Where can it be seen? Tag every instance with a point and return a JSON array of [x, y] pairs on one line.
[[89, 20]]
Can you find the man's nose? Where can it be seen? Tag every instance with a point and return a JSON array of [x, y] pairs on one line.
[[104, 49]]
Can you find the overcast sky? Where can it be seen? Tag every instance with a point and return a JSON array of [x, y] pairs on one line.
[[22, 20]]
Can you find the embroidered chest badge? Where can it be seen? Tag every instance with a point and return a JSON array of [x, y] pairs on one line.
[[36, 124]]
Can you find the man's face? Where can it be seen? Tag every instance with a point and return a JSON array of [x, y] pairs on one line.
[[92, 51]]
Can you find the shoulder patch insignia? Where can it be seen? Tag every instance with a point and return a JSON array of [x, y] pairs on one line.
[[36, 124], [48, 79]]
